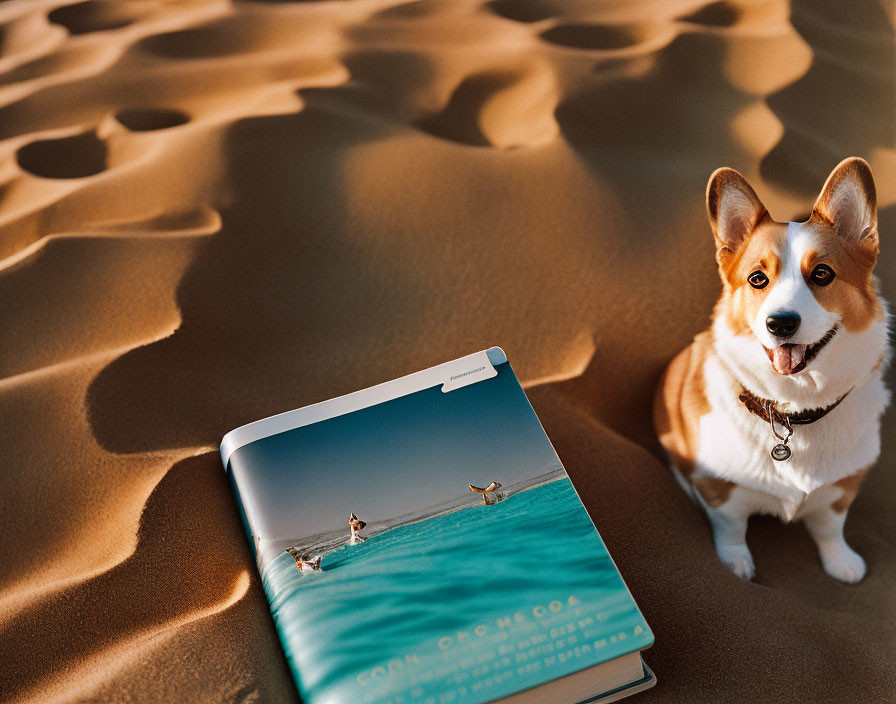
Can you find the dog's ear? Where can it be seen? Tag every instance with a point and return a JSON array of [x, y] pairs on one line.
[[848, 201], [734, 210]]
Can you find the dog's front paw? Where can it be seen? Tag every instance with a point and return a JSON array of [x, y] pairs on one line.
[[738, 559], [843, 563]]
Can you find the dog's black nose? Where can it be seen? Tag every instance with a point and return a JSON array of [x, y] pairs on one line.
[[783, 324]]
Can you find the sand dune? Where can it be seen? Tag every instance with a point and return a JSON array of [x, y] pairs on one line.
[[212, 211]]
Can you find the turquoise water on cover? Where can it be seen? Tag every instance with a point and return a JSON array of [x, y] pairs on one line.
[[468, 606]]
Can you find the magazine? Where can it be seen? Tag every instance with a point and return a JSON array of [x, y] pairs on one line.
[[420, 541]]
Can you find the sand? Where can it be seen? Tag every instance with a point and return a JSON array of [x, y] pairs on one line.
[[212, 212]]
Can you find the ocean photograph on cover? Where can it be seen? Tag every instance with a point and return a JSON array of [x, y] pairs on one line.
[[431, 549]]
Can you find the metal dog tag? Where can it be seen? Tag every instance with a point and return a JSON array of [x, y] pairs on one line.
[[780, 452]]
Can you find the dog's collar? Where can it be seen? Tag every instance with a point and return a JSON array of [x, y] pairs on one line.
[[768, 411], [761, 407]]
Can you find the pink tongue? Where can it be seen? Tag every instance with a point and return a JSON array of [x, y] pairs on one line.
[[786, 358]]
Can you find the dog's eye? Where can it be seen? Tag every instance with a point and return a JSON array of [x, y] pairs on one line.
[[822, 275], [757, 280]]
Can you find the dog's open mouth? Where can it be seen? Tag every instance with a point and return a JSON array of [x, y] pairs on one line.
[[792, 359]]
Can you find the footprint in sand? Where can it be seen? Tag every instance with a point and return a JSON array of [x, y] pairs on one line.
[[600, 36], [69, 157], [230, 36], [416, 8], [99, 15], [503, 109], [86, 154], [716, 14], [148, 119], [538, 10]]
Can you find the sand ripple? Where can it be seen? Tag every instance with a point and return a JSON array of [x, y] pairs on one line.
[[214, 211]]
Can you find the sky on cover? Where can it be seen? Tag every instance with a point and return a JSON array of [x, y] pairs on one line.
[[392, 459]]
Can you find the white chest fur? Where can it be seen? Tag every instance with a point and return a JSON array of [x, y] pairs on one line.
[[734, 444]]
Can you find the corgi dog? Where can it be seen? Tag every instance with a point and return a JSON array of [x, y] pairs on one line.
[[356, 525], [776, 408], [492, 489], [304, 561]]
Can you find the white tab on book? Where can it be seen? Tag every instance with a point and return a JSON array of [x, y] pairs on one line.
[[455, 374], [480, 369]]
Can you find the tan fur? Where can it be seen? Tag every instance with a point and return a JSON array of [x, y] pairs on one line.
[[763, 252], [852, 256], [850, 487], [720, 180], [680, 401], [713, 490], [852, 294]]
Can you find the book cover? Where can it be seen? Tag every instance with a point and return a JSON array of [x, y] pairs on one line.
[[420, 541]]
